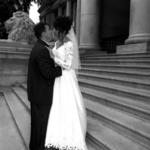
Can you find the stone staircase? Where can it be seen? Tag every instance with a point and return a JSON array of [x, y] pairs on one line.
[[16, 119], [116, 93], [116, 89]]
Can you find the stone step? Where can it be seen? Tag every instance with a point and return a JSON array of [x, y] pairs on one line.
[[92, 51], [13, 55], [116, 59], [91, 144], [24, 86], [119, 90], [18, 49], [116, 56], [135, 108], [9, 43], [127, 62], [21, 116], [121, 73], [116, 67], [127, 81], [108, 139], [135, 129], [22, 96], [9, 137], [10, 79], [20, 92], [111, 64]]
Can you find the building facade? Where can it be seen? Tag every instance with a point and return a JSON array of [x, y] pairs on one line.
[[104, 24]]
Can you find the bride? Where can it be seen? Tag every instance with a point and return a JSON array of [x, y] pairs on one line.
[[66, 129]]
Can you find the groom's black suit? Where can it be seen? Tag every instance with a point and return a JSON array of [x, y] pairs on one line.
[[40, 81]]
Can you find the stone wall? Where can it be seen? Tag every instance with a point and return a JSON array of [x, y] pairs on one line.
[[13, 62]]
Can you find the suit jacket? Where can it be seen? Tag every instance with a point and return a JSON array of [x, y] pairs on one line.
[[41, 75]]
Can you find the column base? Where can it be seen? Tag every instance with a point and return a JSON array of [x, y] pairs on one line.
[[134, 48], [138, 38]]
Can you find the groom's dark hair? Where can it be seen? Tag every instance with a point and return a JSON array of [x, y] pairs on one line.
[[39, 29]]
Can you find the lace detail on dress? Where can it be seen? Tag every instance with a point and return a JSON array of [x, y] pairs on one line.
[[62, 147], [67, 61]]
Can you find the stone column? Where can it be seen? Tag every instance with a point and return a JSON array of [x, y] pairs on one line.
[[68, 8], [90, 24], [139, 34], [139, 21]]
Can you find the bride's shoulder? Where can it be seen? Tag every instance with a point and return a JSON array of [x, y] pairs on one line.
[[69, 43]]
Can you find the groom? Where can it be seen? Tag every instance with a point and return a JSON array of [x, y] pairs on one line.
[[41, 75]]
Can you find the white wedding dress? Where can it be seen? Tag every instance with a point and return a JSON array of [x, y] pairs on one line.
[[67, 120]]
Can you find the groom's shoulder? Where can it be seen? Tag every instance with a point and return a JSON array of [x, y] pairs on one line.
[[37, 47]]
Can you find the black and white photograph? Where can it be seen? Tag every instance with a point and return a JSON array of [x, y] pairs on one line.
[[74, 74]]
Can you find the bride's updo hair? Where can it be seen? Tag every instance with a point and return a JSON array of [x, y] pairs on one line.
[[63, 24]]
